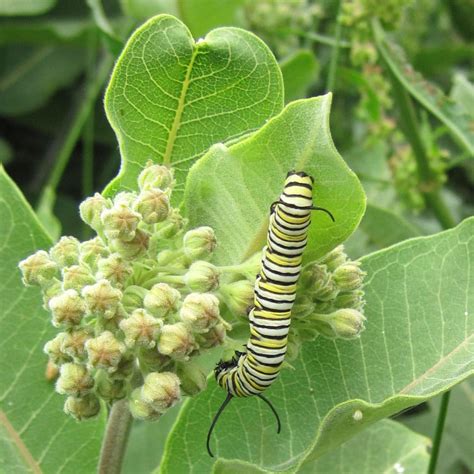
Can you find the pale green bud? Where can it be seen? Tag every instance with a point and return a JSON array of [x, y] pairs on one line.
[[176, 341], [238, 296], [102, 299], [200, 311], [74, 380], [153, 205], [52, 289], [347, 323], [82, 408], [303, 307], [334, 258], [162, 300], [192, 377], [68, 309], [77, 277], [202, 276], [172, 225], [141, 410], [199, 243], [114, 269], [214, 337], [125, 199], [349, 276], [141, 329], [165, 257], [55, 350], [120, 222], [110, 388], [161, 390], [353, 299], [66, 251], [134, 248], [92, 250], [105, 351], [38, 269], [314, 277], [155, 176], [91, 210], [73, 343], [151, 360]]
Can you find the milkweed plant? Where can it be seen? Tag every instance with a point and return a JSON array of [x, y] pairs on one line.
[[205, 271]]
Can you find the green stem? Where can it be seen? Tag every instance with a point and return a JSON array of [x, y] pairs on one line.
[[72, 136], [335, 52], [439, 432], [115, 439], [316, 37]]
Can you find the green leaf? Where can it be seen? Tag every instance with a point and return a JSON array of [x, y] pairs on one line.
[[37, 435], [203, 16], [299, 70], [431, 97], [25, 7], [170, 99], [418, 343], [231, 189], [463, 94], [458, 433], [386, 447], [29, 75], [144, 9]]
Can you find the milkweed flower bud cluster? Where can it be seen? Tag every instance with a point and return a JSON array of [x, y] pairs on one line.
[[137, 303], [329, 302]]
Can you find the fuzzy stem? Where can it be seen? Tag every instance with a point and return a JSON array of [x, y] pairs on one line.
[[115, 440], [439, 432], [335, 52]]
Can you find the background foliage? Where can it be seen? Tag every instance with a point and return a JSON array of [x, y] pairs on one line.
[[401, 116]]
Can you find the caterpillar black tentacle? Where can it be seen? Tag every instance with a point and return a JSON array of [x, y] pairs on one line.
[[252, 372]]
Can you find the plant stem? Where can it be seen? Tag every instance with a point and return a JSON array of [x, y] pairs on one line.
[[115, 440], [335, 52], [316, 37], [443, 409], [91, 92]]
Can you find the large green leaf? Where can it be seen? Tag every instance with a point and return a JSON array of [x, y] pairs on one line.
[[36, 436], [170, 99], [430, 96], [386, 447], [231, 188], [29, 75], [418, 343]]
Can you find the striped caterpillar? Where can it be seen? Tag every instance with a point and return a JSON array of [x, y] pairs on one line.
[[252, 372]]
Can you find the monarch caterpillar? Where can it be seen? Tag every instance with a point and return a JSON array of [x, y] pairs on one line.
[[252, 372]]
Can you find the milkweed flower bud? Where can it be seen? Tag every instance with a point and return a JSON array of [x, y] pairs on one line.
[[82, 408], [76, 277], [114, 269], [162, 300], [352, 299], [202, 276], [50, 290], [102, 299], [303, 306], [73, 343], [110, 388], [153, 205], [141, 329], [74, 380], [66, 251], [141, 410], [199, 243], [176, 341], [214, 337], [347, 323], [161, 390], [91, 210], [172, 225], [314, 277], [193, 379], [334, 258], [68, 308], [125, 199], [120, 222], [92, 250], [155, 176], [238, 296], [38, 269], [104, 351], [349, 276], [200, 311], [55, 351], [134, 248]]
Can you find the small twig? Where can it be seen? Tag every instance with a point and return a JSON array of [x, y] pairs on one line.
[[335, 52], [443, 409], [115, 440]]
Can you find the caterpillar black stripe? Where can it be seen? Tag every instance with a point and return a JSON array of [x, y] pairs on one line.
[[252, 372]]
